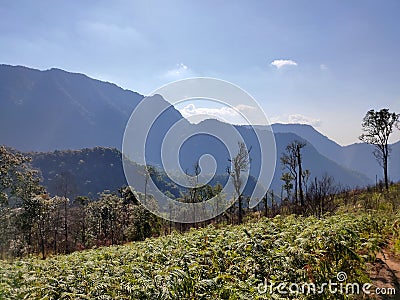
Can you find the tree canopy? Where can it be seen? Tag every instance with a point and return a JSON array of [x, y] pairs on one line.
[[377, 127]]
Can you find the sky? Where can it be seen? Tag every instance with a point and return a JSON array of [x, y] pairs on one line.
[[323, 63]]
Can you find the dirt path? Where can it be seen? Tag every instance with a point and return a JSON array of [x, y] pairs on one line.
[[385, 275]]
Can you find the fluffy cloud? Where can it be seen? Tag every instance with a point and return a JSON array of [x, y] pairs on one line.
[[245, 108], [191, 109], [225, 113], [280, 63], [296, 119]]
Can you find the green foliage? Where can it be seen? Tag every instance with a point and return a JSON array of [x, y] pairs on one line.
[[377, 127], [91, 171], [209, 263], [19, 187], [56, 225], [17, 179]]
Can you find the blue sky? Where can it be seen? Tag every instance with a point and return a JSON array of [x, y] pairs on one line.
[[320, 62]]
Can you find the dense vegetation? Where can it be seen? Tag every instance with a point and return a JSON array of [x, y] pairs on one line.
[[88, 172], [34, 222], [210, 263]]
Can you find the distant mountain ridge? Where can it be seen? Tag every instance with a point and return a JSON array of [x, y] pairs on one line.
[[91, 171], [358, 156], [54, 109], [323, 144]]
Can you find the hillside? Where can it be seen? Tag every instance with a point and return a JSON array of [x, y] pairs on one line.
[[59, 110], [88, 172], [91, 171], [234, 262]]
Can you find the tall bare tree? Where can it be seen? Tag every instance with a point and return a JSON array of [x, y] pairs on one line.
[[240, 163], [194, 187], [321, 196], [289, 162], [377, 127], [292, 161]]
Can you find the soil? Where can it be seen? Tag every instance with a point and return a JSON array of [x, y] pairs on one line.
[[385, 275]]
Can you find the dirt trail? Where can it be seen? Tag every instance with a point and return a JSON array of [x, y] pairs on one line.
[[385, 275]]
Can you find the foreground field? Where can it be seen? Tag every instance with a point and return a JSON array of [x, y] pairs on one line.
[[234, 262]]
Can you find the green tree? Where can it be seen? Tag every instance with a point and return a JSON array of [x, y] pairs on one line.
[[81, 203], [143, 223], [287, 178], [377, 127], [43, 221], [19, 185], [17, 179]]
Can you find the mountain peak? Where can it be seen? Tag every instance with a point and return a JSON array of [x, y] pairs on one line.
[[57, 109]]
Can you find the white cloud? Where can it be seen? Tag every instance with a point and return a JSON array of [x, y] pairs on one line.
[[297, 119], [245, 108], [280, 63], [323, 67], [226, 114], [191, 110], [180, 71]]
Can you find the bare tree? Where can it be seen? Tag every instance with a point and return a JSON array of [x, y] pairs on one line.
[[306, 176], [321, 195], [377, 127], [240, 163], [148, 171], [289, 162], [193, 180], [292, 161]]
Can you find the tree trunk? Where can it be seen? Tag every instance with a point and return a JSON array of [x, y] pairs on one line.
[[296, 199], [56, 230], [240, 210], [273, 206], [299, 176], [266, 205], [42, 248], [66, 225], [385, 171]]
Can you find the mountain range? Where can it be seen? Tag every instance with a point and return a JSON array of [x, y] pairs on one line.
[[358, 156], [44, 111]]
